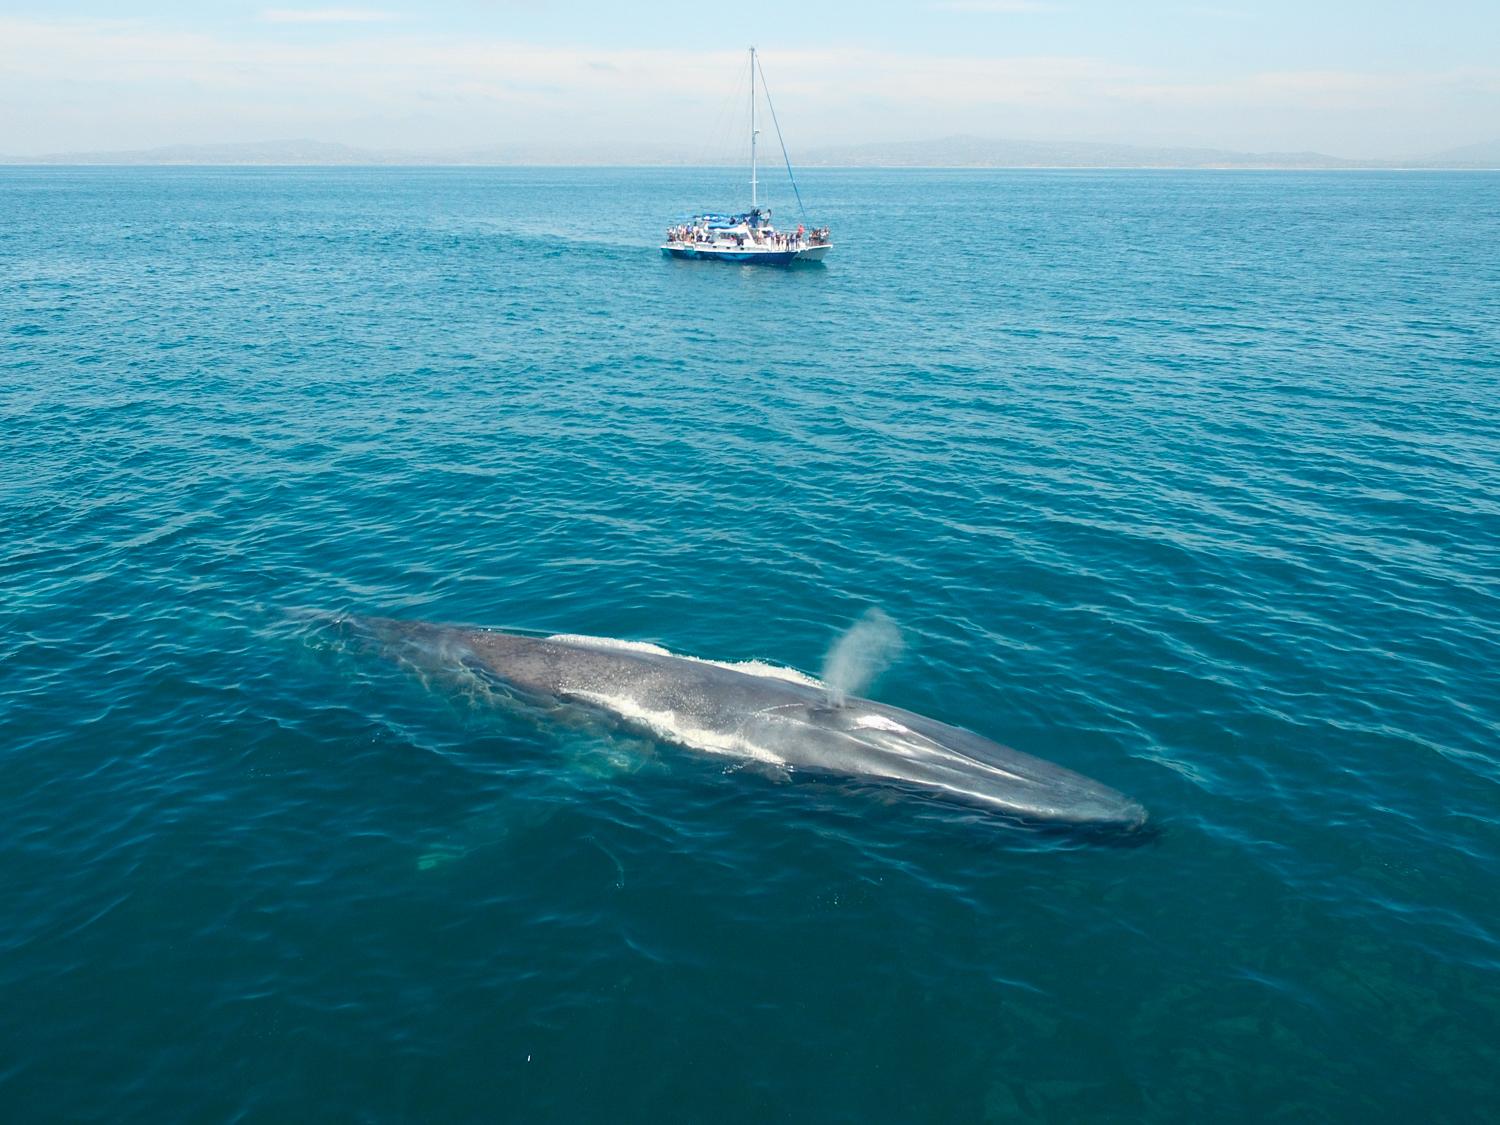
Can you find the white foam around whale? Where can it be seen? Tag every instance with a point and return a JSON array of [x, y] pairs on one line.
[[748, 667], [671, 727]]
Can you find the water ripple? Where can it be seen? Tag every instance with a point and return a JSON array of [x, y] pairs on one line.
[[1187, 482]]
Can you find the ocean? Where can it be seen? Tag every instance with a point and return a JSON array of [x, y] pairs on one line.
[[1189, 482]]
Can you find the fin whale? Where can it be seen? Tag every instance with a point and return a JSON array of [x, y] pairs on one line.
[[773, 715]]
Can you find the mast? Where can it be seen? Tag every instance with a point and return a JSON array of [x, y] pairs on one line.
[[753, 130]]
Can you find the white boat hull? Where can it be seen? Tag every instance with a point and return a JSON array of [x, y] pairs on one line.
[[745, 255]]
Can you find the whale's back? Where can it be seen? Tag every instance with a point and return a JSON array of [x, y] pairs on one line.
[[788, 719]]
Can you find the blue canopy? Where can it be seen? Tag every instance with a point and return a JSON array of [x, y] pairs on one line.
[[716, 221]]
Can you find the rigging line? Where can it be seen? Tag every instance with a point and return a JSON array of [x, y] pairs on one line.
[[772, 106], [716, 151]]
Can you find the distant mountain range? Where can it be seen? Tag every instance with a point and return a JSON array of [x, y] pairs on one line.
[[985, 152], [945, 152], [326, 153]]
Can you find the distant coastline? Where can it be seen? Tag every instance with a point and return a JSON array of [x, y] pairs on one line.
[[948, 152]]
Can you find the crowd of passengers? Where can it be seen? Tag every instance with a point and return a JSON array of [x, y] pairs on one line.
[[768, 238]]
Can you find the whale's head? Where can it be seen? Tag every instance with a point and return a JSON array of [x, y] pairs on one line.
[[957, 765]]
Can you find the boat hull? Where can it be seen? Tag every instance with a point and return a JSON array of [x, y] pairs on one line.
[[745, 255]]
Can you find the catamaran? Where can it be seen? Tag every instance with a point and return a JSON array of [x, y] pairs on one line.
[[749, 236]]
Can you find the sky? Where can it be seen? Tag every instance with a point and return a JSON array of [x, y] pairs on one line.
[[1355, 79]]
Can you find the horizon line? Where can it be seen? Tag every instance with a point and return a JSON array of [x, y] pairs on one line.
[[1351, 166]]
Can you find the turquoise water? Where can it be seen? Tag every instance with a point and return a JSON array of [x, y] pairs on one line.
[[1187, 482]]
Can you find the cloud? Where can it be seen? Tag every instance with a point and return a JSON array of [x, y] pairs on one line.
[[386, 68], [1294, 90], [89, 84], [324, 15]]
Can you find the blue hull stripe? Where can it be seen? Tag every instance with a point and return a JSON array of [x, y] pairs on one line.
[[762, 258]]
